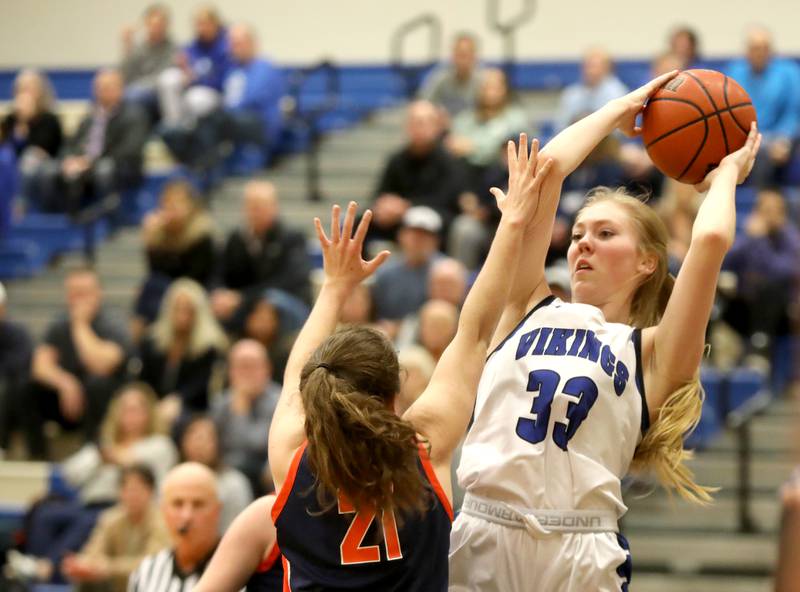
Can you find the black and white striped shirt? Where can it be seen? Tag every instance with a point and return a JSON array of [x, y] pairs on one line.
[[160, 573]]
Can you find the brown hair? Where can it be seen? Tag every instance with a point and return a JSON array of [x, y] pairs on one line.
[[357, 445], [661, 449], [110, 428]]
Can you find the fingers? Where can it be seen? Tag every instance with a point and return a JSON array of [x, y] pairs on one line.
[[534, 158], [335, 229], [542, 173], [660, 81], [498, 194], [349, 220], [323, 239], [375, 263], [522, 152], [363, 226]]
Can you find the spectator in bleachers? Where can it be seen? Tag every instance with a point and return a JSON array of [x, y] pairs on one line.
[[190, 505], [123, 536], [263, 253], [244, 411], [144, 59], [193, 88], [130, 434], [77, 367], [32, 127], [455, 86], [438, 322], [359, 308], [598, 86], [773, 84], [179, 242], [478, 133], [16, 348], [766, 261], [103, 156], [421, 173], [684, 44], [401, 285], [200, 443], [273, 318], [181, 349]]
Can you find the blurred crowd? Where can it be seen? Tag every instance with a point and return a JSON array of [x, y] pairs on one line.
[[194, 373]]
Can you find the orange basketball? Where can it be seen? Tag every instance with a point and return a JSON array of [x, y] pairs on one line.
[[690, 124]]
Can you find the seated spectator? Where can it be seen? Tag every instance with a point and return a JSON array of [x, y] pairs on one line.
[[447, 282], [244, 411], [123, 536], [144, 59], [684, 44], [16, 348], [401, 284], [130, 435], [421, 173], [181, 349], [250, 113], [31, 128], [359, 308], [478, 133], [273, 318], [77, 367], [190, 506], [454, 86], [263, 253], [773, 84], [598, 86], [200, 443], [766, 261], [438, 321], [179, 242], [193, 89], [103, 156]]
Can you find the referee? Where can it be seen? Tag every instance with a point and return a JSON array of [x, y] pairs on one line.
[[191, 508]]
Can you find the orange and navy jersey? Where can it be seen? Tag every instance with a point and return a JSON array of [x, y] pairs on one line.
[[341, 549], [268, 576]]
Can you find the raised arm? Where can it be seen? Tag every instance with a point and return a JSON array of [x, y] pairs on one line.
[[673, 349], [344, 270], [442, 412], [567, 150]]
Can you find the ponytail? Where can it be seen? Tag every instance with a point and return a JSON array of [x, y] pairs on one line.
[[357, 445]]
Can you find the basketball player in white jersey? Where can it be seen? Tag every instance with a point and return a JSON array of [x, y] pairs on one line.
[[575, 393]]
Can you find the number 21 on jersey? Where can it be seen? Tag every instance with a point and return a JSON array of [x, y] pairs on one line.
[[545, 384], [351, 550]]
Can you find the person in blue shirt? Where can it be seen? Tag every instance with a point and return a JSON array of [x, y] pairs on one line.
[[773, 84], [193, 88]]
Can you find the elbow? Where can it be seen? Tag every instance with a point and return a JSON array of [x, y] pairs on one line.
[[714, 241]]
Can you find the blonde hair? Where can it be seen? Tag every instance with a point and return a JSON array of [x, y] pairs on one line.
[[661, 449], [46, 97], [110, 433], [206, 333]]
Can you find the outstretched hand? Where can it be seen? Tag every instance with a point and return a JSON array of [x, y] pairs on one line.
[[742, 159], [341, 253], [634, 102], [525, 178]]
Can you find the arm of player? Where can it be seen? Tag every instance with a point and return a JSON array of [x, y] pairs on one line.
[[673, 349], [567, 150], [248, 539], [442, 412], [344, 270]]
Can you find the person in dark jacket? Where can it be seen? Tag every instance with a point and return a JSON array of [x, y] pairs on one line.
[[31, 124], [104, 155], [16, 348], [263, 253], [180, 350]]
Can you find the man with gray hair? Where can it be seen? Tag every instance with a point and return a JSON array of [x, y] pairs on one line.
[[191, 509]]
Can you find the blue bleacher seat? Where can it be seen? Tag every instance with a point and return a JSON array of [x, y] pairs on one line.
[[710, 422], [743, 385]]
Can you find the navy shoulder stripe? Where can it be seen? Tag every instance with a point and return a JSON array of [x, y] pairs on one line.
[[637, 346], [542, 303]]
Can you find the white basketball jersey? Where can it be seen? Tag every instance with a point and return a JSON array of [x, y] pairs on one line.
[[559, 412]]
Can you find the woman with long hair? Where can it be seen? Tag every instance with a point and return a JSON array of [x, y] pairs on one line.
[[364, 495], [575, 394], [181, 349]]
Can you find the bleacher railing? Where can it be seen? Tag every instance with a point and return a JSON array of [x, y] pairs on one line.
[[309, 116], [507, 29], [412, 73]]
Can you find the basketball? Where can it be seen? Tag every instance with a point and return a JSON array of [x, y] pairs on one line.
[[694, 121]]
